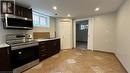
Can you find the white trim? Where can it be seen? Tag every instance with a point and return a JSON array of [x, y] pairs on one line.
[[90, 30]]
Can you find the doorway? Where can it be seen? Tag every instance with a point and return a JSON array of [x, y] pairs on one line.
[[82, 34]]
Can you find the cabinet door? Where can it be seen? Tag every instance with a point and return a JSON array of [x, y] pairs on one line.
[[54, 46], [58, 45], [17, 10], [23, 12], [43, 50], [10, 8], [29, 13], [20, 11], [48, 48], [7, 7], [5, 64]]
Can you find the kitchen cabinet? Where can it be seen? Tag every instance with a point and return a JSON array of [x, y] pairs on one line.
[[5, 63], [48, 48], [23, 12], [8, 7]]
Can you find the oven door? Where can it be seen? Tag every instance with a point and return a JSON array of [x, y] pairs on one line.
[[23, 56]]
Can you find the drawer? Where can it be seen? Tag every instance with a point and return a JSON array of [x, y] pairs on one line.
[[42, 46], [43, 51], [44, 43], [43, 56]]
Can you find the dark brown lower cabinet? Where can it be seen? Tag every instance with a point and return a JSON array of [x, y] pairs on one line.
[[5, 63], [48, 48]]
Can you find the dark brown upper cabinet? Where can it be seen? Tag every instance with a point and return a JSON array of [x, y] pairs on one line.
[[10, 7]]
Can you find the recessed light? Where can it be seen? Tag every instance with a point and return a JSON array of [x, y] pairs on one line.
[[68, 15], [97, 9], [54, 7]]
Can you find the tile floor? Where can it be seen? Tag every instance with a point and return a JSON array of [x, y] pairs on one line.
[[79, 61]]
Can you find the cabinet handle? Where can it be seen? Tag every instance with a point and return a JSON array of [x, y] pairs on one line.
[[55, 44], [42, 46], [43, 55], [43, 50], [42, 43], [8, 51]]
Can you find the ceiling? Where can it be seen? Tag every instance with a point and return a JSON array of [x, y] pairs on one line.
[[76, 8]]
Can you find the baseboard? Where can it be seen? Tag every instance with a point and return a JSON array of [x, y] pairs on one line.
[[82, 41], [103, 51], [120, 62], [67, 49]]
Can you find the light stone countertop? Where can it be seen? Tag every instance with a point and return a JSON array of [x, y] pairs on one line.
[[3, 45], [41, 40]]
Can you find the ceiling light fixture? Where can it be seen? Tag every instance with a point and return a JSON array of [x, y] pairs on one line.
[[68, 15], [97, 9], [54, 7]]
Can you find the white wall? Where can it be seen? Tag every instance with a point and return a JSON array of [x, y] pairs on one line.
[[123, 35], [104, 32], [53, 27]]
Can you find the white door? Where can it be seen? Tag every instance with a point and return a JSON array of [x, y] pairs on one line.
[[65, 33]]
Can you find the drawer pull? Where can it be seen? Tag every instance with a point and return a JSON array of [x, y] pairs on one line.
[[43, 50], [42, 46], [42, 43], [43, 55]]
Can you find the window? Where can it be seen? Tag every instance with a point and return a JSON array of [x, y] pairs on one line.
[[40, 20], [83, 27]]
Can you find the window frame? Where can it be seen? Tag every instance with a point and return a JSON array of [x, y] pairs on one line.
[[40, 15]]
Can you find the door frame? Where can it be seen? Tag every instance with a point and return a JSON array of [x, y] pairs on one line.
[[90, 32]]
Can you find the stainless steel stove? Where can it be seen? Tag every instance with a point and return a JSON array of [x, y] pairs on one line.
[[24, 51]]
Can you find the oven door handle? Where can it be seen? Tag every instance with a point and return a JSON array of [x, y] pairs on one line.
[[24, 46]]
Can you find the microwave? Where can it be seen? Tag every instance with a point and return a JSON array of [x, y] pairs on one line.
[[11, 21]]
